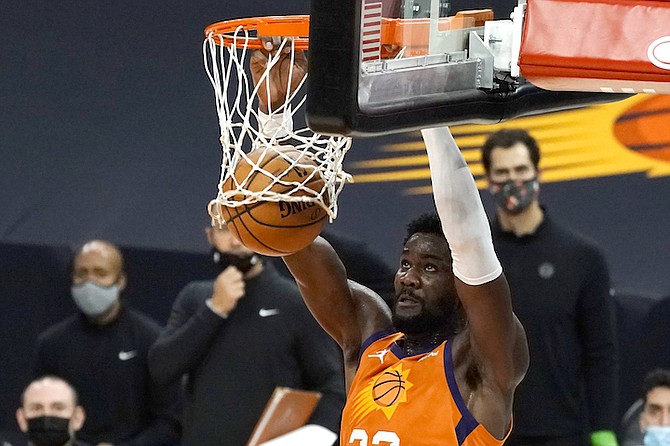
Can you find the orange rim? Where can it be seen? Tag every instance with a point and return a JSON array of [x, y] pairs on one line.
[[295, 26], [393, 31]]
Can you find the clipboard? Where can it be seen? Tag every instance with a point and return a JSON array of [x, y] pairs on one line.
[[286, 410]]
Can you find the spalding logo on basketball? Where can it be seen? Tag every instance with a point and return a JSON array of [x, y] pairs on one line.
[[643, 128], [658, 52]]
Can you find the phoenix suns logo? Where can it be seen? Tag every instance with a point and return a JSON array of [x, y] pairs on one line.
[[384, 392]]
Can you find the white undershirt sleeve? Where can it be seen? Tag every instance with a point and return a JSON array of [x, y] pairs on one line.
[[460, 209]]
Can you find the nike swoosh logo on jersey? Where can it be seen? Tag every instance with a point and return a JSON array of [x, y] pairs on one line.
[[130, 354], [266, 312]]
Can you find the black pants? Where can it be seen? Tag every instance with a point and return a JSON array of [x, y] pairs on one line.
[[515, 440]]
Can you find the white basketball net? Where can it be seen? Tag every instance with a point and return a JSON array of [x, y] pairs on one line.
[[242, 131]]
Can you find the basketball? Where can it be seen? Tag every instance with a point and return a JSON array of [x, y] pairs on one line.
[[275, 228], [643, 128], [388, 388]]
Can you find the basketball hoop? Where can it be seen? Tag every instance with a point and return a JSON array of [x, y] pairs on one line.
[[226, 49], [296, 27]]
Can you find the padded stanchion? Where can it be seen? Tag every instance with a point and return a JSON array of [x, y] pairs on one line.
[[618, 46]]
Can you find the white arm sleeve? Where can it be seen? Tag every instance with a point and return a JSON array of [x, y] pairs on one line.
[[309, 435], [460, 209]]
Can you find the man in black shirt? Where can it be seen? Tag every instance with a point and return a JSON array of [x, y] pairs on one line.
[[560, 292], [234, 339], [102, 352]]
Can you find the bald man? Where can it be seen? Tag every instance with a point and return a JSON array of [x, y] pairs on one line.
[[102, 352], [50, 414]]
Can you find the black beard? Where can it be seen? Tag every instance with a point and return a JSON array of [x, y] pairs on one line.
[[244, 263], [449, 320]]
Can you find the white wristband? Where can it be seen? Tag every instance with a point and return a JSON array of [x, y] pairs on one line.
[[276, 125]]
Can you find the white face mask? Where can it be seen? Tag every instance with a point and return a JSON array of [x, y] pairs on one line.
[[93, 299], [657, 436]]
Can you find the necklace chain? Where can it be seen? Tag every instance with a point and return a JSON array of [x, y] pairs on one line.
[[424, 344]]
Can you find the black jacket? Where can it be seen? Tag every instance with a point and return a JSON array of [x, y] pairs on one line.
[[232, 365], [107, 365], [561, 294]]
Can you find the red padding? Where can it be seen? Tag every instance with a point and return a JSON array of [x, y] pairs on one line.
[[597, 45]]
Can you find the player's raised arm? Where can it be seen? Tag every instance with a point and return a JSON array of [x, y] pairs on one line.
[[348, 311], [494, 337]]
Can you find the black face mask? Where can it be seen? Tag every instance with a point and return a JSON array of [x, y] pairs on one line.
[[48, 431], [244, 263]]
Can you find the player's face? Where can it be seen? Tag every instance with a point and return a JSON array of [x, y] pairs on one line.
[[424, 285], [511, 163], [657, 408]]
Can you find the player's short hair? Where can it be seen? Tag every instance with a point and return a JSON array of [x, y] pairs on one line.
[[507, 138], [655, 378], [75, 394], [427, 223]]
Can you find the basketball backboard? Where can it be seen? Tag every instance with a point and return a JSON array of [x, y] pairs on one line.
[[383, 66]]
